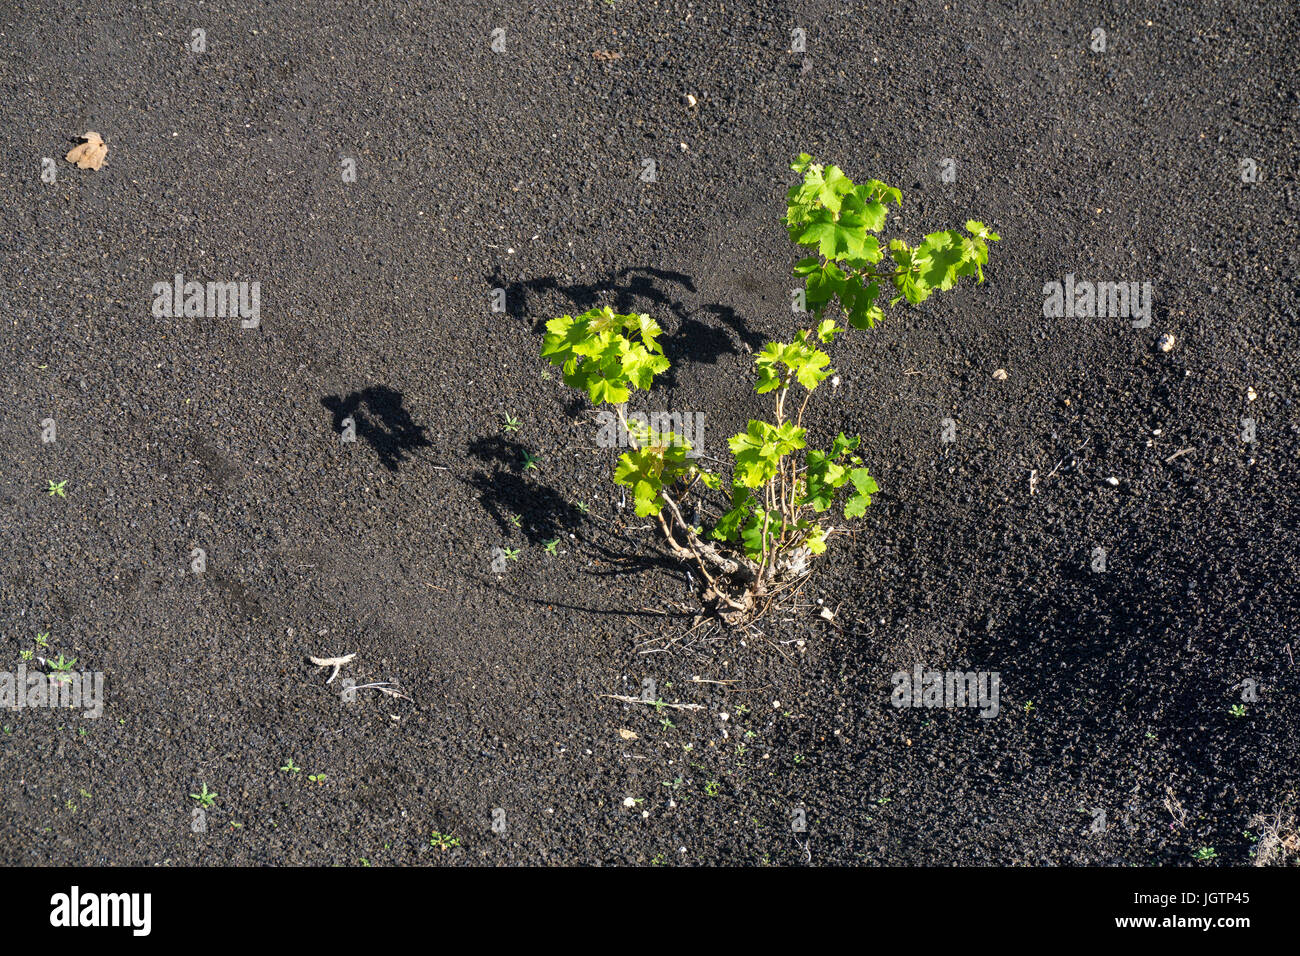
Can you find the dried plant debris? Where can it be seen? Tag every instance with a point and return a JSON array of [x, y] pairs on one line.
[[90, 154], [1279, 839], [334, 662]]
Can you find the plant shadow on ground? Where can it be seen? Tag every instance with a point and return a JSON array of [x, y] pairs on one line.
[[543, 513], [532, 508], [627, 291], [381, 420]]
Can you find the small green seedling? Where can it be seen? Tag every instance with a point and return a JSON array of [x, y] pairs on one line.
[[1205, 854], [205, 797], [43, 639], [772, 519], [290, 767], [511, 424], [443, 841], [551, 546], [316, 777], [530, 461], [1237, 710], [60, 667], [56, 488], [511, 553]]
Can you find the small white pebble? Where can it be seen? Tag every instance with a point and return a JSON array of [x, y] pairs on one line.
[[724, 716], [1112, 480], [1000, 374], [629, 802], [1166, 342], [1251, 395]]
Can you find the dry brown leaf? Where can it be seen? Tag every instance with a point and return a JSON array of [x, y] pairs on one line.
[[90, 154], [627, 734]]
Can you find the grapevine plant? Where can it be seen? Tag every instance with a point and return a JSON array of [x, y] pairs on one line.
[[776, 509]]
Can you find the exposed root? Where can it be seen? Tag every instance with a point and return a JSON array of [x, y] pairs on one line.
[[1279, 840]]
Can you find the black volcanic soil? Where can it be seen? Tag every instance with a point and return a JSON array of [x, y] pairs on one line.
[[520, 170]]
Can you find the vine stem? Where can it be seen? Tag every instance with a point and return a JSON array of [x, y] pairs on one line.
[[695, 549]]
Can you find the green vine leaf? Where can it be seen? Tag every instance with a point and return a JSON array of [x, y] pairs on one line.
[[758, 451], [600, 353], [865, 486]]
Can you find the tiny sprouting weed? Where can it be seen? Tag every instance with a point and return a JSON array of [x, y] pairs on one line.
[[551, 546], [511, 424], [43, 639], [511, 553], [516, 519], [443, 841], [316, 777], [583, 507], [712, 788], [290, 767], [205, 797], [530, 461], [1237, 710], [26, 655], [1205, 853], [60, 667], [57, 488]]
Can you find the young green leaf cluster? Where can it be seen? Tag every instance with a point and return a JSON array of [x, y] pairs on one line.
[[780, 490], [774, 494], [599, 352], [841, 219]]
